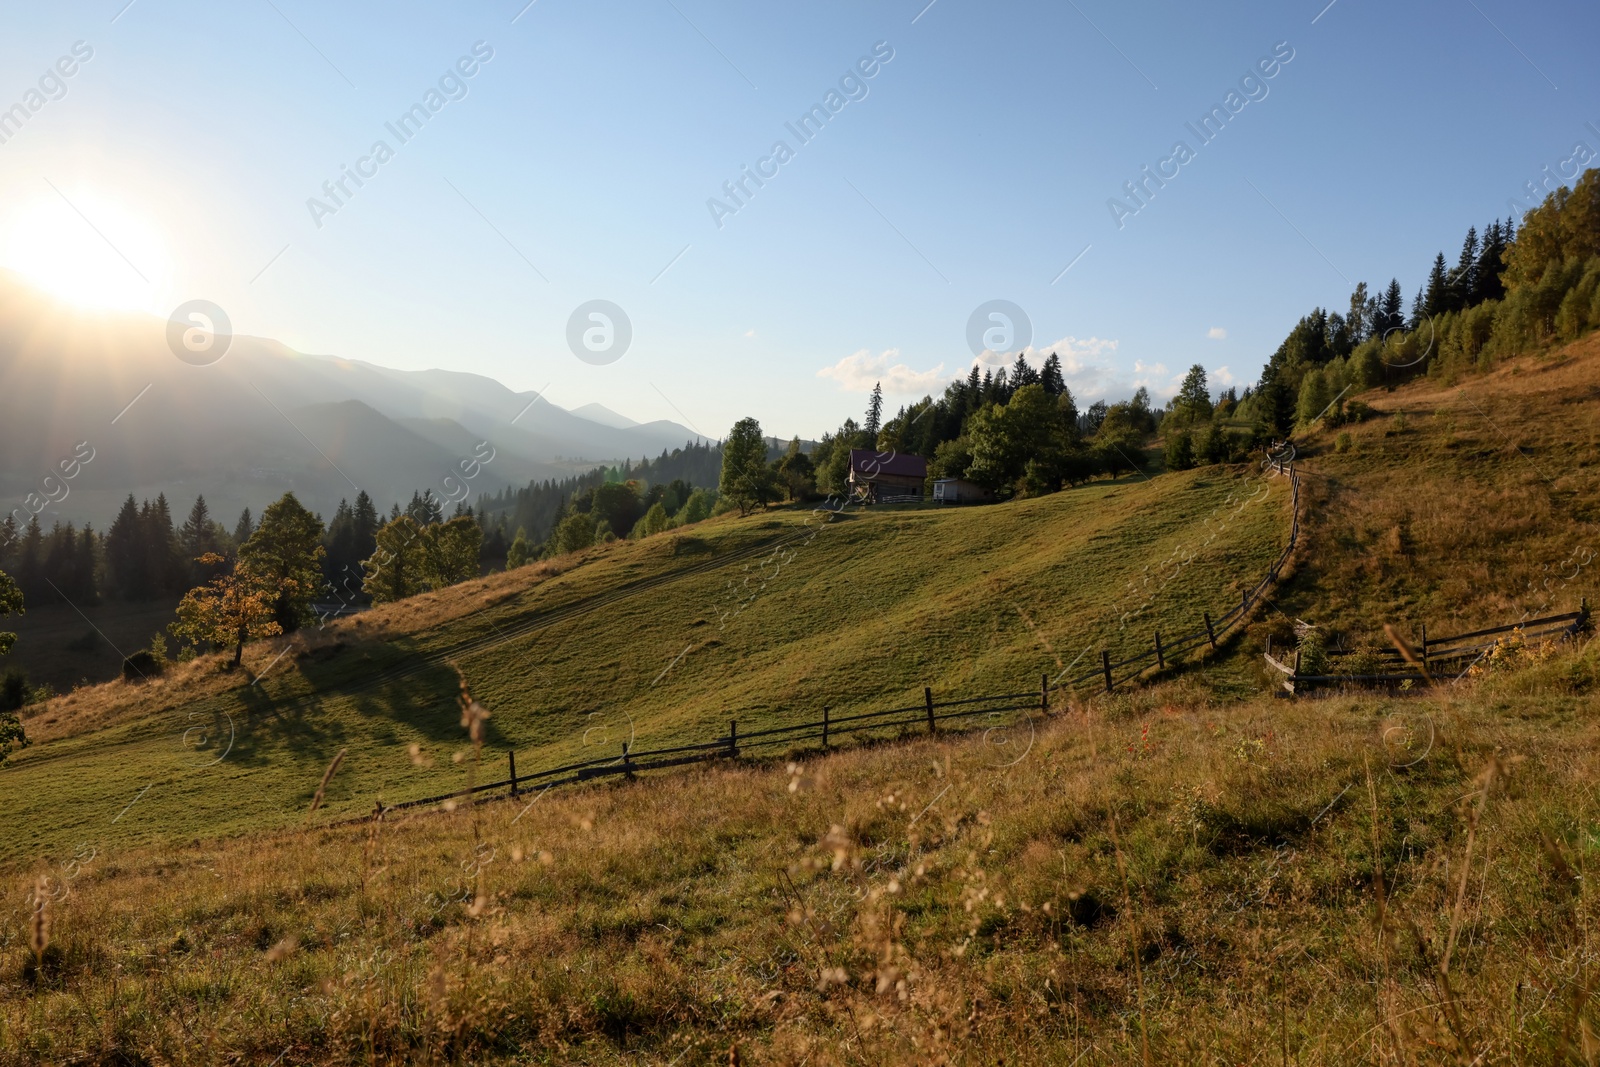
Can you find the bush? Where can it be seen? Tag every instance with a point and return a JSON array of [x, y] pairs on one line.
[[140, 667], [13, 689], [1342, 442], [1313, 653], [12, 736], [1179, 452]]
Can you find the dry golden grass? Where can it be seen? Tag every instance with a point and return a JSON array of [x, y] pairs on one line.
[[1331, 881], [1479, 505]]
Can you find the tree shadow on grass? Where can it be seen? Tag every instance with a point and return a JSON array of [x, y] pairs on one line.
[[316, 726]]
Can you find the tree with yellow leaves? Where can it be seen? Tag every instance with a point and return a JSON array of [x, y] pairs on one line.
[[232, 609]]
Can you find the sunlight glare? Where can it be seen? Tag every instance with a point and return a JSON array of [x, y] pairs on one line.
[[106, 258]]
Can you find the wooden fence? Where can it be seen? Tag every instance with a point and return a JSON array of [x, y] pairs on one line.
[[1453, 654], [927, 715]]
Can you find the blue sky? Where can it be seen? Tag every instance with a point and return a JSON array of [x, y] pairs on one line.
[[580, 160]]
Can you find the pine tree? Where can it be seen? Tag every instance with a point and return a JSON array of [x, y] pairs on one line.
[[30, 560], [87, 568], [1022, 374], [1464, 279], [9, 534], [1051, 377], [241, 529], [197, 535], [1486, 274], [365, 518], [125, 556], [1392, 315], [874, 413], [1193, 402], [1434, 297]]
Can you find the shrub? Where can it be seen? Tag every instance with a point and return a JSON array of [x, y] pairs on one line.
[[140, 667], [13, 690], [1313, 653]]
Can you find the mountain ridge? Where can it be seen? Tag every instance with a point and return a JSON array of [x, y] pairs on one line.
[[261, 421]]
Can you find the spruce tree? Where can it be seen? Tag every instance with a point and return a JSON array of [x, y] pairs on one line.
[[366, 525], [88, 567], [241, 529], [125, 556], [196, 535], [1392, 315], [874, 413], [1022, 374], [1434, 298], [1486, 274], [1051, 377], [1464, 279], [1193, 402]]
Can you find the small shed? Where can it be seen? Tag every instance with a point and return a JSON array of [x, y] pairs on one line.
[[886, 476], [959, 491]]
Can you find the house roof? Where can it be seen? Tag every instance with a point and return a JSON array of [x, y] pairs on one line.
[[868, 463]]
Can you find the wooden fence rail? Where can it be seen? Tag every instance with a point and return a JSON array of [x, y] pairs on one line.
[[1447, 653], [923, 716]]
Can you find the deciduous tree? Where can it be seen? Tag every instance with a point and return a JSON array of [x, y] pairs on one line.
[[229, 610]]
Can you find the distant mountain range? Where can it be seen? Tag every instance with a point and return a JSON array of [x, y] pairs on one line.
[[263, 420]]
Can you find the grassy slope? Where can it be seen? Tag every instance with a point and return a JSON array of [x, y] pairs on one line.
[[665, 921], [1483, 509], [862, 615], [969, 896]]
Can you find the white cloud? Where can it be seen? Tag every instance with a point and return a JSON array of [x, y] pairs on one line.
[[1217, 333], [750, 332], [1224, 377], [1156, 378], [1086, 373], [858, 372]]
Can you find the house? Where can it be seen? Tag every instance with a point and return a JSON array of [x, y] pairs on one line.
[[959, 491], [885, 476]]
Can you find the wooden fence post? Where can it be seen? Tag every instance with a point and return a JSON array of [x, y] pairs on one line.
[[1583, 613], [626, 766], [1105, 665], [1424, 648], [1044, 693], [927, 695], [512, 756], [1211, 633], [1244, 602], [733, 738], [824, 726], [1161, 660]]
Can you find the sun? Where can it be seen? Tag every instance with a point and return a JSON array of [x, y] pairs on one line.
[[86, 248]]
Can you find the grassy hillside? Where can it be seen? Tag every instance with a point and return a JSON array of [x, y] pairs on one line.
[[1195, 866], [1459, 505], [1352, 880], [765, 620]]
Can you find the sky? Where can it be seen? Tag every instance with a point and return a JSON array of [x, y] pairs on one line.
[[971, 153]]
